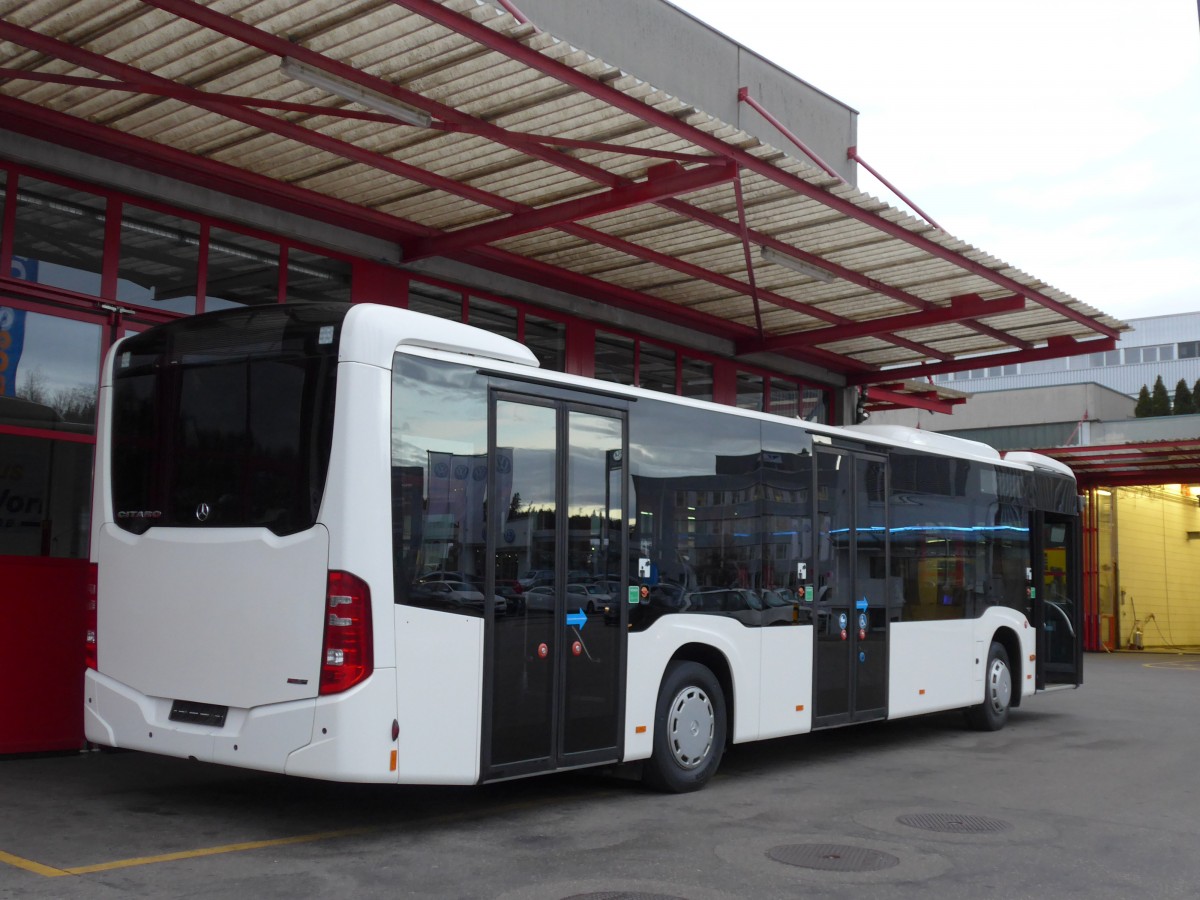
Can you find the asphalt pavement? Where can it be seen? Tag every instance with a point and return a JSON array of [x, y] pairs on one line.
[[1091, 793]]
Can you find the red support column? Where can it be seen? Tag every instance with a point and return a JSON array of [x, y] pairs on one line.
[[374, 283], [581, 349], [1090, 576], [724, 382]]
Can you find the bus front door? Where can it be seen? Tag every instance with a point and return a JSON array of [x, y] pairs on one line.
[[851, 622], [554, 693], [1056, 600]]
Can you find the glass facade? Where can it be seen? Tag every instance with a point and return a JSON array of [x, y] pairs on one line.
[[156, 263], [58, 239]]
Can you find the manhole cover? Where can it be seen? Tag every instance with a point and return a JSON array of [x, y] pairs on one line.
[[622, 895], [833, 857], [953, 823]]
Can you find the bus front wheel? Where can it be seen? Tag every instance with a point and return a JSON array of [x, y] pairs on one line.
[[992, 713], [689, 729]]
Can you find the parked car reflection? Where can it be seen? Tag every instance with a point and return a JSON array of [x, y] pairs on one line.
[[458, 595]]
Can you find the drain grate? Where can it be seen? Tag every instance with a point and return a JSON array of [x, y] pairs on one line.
[[621, 895], [954, 823], [833, 857]]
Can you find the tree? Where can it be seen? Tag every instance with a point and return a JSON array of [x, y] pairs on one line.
[[1143, 403], [1160, 400], [1185, 401]]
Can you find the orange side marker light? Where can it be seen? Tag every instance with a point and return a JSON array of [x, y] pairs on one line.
[[393, 768], [641, 729]]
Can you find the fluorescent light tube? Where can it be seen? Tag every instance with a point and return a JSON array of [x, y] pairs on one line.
[[347, 90], [789, 262]]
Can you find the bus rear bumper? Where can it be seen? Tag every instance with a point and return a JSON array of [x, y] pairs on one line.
[[120, 716]]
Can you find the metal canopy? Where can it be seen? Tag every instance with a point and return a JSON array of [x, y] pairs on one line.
[[1145, 462], [539, 160]]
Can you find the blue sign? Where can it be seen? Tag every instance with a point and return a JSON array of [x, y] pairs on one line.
[[12, 341], [577, 620], [861, 604], [842, 620], [862, 620], [24, 268]]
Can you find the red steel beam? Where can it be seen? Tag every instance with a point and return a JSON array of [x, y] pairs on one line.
[[1183, 475], [852, 153], [1055, 348], [966, 306], [1144, 445], [514, 49], [922, 400], [744, 97], [182, 93], [661, 181]]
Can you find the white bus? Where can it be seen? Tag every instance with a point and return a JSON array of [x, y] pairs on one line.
[[355, 542]]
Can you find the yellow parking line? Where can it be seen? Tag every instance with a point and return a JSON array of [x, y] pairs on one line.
[[37, 868], [29, 865], [51, 872]]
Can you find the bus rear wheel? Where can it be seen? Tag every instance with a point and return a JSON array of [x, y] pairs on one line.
[[992, 713], [689, 729]]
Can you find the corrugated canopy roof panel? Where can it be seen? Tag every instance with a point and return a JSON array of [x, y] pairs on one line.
[[539, 160], [1136, 463]]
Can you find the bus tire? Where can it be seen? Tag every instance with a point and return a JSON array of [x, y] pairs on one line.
[[992, 713], [689, 729]]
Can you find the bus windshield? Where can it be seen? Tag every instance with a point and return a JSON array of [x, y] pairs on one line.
[[226, 421]]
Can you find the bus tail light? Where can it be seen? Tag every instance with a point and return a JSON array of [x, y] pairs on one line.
[[347, 651], [90, 619]]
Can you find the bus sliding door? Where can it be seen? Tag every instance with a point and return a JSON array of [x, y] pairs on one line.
[[850, 679], [1056, 599], [555, 658]]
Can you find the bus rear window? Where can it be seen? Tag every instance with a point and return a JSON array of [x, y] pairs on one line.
[[225, 420]]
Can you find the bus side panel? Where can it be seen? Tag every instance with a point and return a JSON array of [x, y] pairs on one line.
[[787, 669], [439, 687], [356, 507], [351, 734], [651, 650], [931, 667], [993, 620]]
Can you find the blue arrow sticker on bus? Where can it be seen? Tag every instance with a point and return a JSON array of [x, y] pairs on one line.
[[861, 604], [577, 620]]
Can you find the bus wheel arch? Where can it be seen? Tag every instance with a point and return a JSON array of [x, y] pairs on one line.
[[1007, 638], [692, 720], [999, 688]]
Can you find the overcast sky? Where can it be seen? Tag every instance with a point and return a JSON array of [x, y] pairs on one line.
[[1062, 136]]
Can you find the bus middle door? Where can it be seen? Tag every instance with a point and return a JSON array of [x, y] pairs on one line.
[[851, 627], [554, 694]]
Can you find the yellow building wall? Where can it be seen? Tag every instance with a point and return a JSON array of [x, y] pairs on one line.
[[1159, 567]]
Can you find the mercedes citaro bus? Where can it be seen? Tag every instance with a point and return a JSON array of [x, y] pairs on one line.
[[311, 525]]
